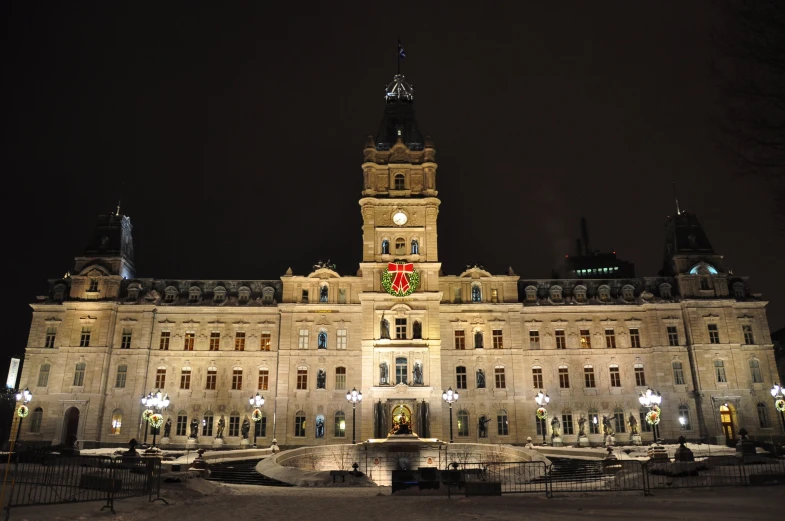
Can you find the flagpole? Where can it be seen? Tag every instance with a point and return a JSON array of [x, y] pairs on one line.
[[398, 53]]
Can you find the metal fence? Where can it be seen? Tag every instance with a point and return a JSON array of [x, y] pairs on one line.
[[715, 471], [48, 479], [511, 477]]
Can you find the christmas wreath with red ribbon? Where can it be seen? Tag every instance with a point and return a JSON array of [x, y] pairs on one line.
[[400, 279]]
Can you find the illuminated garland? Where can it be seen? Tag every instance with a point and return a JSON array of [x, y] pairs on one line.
[[653, 416], [780, 405], [22, 411], [146, 415], [256, 415], [156, 420], [542, 413], [388, 277]]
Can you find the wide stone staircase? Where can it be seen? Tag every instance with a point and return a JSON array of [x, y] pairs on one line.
[[241, 473], [571, 470]]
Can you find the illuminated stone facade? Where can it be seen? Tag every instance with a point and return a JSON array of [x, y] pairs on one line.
[[102, 338]]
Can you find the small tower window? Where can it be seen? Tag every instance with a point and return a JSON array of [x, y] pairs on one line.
[[580, 293], [399, 182], [476, 293], [665, 291], [738, 290], [323, 293], [531, 294], [628, 293], [415, 247], [556, 293], [400, 246], [604, 293], [385, 247], [194, 294], [219, 294], [244, 295]]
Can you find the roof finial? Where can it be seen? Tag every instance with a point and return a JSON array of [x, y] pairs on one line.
[[118, 208], [678, 210]]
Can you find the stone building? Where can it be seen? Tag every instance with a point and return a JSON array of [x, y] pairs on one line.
[[401, 332]]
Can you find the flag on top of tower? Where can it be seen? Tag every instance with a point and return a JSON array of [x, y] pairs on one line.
[[401, 52]]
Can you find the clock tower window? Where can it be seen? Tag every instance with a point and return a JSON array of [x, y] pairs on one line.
[[400, 246], [385, 247], [399, 182], [415, 247]]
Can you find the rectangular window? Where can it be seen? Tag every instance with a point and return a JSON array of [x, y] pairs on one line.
[[719, 370], [757, 377], [567, 426], [457, 295], [164, 342], [239, 341], [160, 378], [215, 340], [618, 421], [537, 377], [498, 339], [498, 373], [615, 377], [265, 341], [340, 339], [43, 375], [185, 379], [588, 376], [585, 339], [340, 378], [49, 340], [84, 339], [212, 377], [684, 418], [341, 295], [302, 378], [125, 340], [561, 339], [678, 373], [303, 339], [122, 372], [541, 426], [714, 334], [460, 339], [673, 336], [749, 339], [635, 337], [502, 428], [610, 339], [207, 425], [264, 379], [494, 295], [594, 423], [401, 370], [460, 378], [304, 296], [181, 428], [644, 425], [640, 377], [400, 328], [237, 379], [261, 427], [534, 339], [188, 342], [564, 378], [234, 425]]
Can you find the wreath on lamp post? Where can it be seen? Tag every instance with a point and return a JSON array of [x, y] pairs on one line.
[[256, 415], [780, 405], [23, 411], [653, 416], [146, 414], [156, 420], [542, 413]]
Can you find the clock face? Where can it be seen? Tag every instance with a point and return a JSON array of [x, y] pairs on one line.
[[400, 218]]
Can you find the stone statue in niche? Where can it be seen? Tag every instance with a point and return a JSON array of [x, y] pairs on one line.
[[321, 378], [194, 429], [320, 427], [417, 330], [633, 425], [246, 428], [607, 427], [418, 373], [323, 294], [384, 374], [480, 379], [581, 427], [167, 428], [478, 340], [221, 426], [482, 426], [385, 328], [555, 427], [321, 340]]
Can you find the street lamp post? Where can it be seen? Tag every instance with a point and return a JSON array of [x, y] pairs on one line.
[[779, 402], [450, 397], [652, 399], [157, 401], [354, 396], [25, 397], [542, 400], [256, 402]]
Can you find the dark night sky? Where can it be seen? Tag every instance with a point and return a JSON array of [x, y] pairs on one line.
[[235, 135]]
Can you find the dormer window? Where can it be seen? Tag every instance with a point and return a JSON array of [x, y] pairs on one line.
[[243, 295], [738, 290], [219, 294], [170, 294], [399, 182], [531, 294], [194, 294], [705, 283], [133, 291], [556, 294], [59, 293], [268, 294], [628, 293], [93, 287], [604, 293], [580, 293], [665, 291], [400, 246]]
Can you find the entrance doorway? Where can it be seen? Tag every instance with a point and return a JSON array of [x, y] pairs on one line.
[[727, 413], [70, 426]]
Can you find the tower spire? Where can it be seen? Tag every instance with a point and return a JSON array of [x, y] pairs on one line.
[[678, 210]]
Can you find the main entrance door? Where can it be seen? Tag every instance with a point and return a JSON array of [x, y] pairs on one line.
[[726, 419], [70, 426]]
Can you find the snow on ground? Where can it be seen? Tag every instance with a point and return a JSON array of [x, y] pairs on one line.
[[700, 450]]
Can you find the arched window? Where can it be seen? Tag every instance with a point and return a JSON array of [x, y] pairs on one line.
[[417, 329], [665, 290], [400, 246], [580, 293], [755, 374], [399, 182], [299, 424], [207, 423], [35, 420], [463, 423], [243, 294], [476, 293], [79, 374], [340, 425], [604, 292], [219, 294], [319, 426], [684, 418], [594, 421], [703, 268], [170, 294], [321, 340], [478, 340], [122, 372], [531, 294], [117, 421], [763, 416], [43, 375], [628, 294], [619, 423], [415, 247], [323, 293], [194, 295], [502, 425], [385, 247], [556, 293]]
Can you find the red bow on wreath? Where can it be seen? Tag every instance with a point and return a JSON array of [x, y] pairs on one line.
[[400, 284]]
